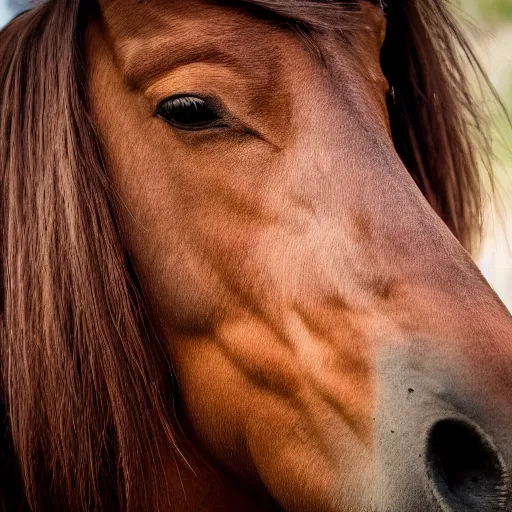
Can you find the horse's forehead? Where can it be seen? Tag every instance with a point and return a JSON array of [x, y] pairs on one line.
[[152, 36], [136, 19], [150, 27]]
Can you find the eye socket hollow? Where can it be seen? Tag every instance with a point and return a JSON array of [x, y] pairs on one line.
[[189, 113]]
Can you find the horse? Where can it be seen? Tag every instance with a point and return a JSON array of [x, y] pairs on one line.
[[236, 268]]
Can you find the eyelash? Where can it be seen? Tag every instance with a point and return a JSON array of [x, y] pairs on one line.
[[190, 112]]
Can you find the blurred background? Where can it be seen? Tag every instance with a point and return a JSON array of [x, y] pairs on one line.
[[488, 24]]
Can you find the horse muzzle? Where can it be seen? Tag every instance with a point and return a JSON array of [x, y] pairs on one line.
[[443, 444]]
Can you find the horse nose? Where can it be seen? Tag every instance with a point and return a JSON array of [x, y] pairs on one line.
[[465, 469], [443, 443]]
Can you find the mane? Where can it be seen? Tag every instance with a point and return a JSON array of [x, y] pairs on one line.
[[84, 382]]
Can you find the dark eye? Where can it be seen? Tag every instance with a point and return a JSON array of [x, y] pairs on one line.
[[189, 113]]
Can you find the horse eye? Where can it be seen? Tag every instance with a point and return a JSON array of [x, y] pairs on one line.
[[189, 113]]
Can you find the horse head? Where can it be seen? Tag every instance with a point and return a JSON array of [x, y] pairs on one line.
[[277, 200]]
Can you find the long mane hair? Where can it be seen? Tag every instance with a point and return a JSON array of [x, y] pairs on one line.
[[85, 384]]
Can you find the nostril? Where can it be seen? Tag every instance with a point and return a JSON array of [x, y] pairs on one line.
[[466, 471]]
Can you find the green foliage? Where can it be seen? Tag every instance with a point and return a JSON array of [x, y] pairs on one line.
[[496, 9]]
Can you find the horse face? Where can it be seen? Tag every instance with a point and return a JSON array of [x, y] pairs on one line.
[[329, 335]]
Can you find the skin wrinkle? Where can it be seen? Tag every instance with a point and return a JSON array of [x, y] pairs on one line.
[[266, 354], [338, 391]]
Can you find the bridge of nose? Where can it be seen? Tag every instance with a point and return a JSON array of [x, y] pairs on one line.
[[452, 333]]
